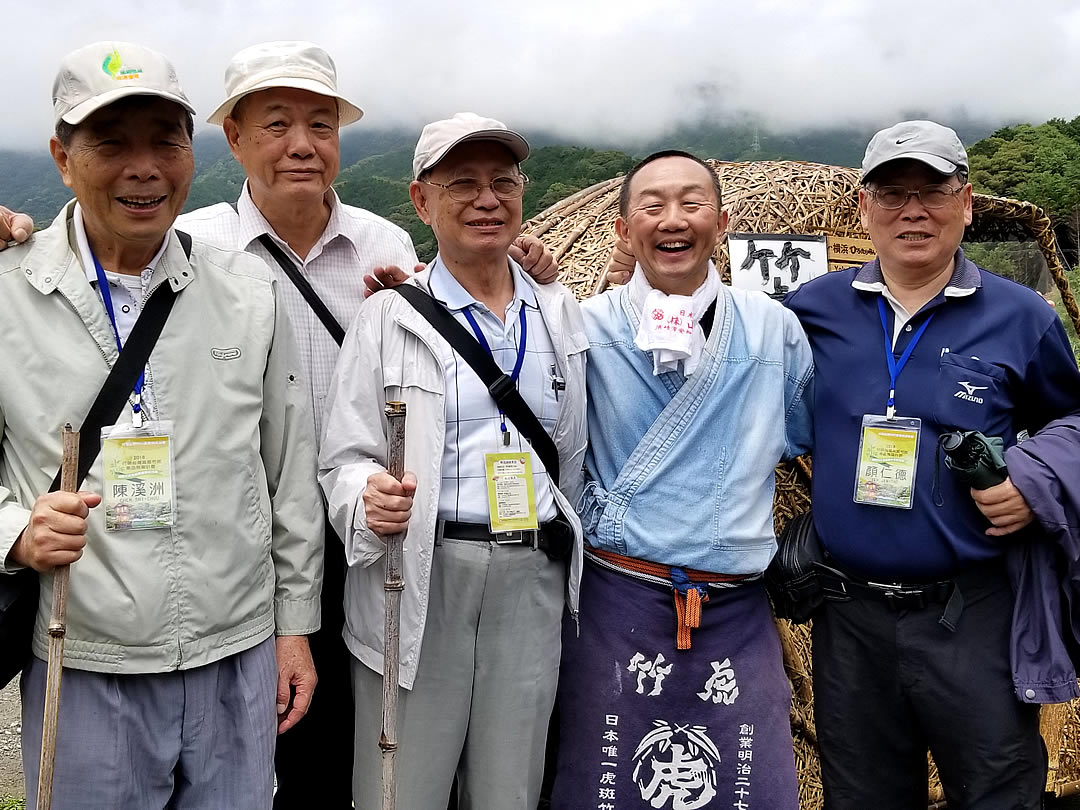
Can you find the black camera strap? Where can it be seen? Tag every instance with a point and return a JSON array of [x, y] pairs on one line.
[[499, 384], [125, 372], [19, 591], [304, 286]]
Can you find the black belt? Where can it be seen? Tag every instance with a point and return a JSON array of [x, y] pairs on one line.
[[840, 587], [897, 595], [555, 538]]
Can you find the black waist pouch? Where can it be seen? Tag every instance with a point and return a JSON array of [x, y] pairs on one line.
[[18, 609], [798, 579]]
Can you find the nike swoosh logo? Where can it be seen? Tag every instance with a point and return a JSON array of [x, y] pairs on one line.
[[904, 140]]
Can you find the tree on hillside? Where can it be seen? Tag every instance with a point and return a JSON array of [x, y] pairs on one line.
[[1040, 164], [556, 172]]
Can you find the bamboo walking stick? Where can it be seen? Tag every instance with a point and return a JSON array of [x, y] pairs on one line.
[[393, 585], [69, 472]]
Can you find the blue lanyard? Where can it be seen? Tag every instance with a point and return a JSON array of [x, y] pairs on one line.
[[517, 364], [896, 366], [106, 296]]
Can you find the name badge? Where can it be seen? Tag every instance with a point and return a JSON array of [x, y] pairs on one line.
[[139, 490], [886, 464], [511, 494]]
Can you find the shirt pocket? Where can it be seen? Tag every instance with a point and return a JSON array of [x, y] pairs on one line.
[[970, 394]]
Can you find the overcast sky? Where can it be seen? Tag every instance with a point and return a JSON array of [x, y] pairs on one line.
[[594, 69]]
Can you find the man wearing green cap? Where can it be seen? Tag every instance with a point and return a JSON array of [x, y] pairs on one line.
[[195, 543]]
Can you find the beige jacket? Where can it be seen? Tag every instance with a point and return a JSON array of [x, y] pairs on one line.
[[245, 556], [391, 353]]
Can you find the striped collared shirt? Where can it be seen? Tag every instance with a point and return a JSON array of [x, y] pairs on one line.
[[472, 418], [354, 242]]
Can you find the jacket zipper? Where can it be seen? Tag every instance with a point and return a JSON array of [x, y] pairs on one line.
[[76, 311], [179, 646]]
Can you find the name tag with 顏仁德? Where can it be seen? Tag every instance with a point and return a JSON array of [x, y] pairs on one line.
[[511, 494], [888, 454]]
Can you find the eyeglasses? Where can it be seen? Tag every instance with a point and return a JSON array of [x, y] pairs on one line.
[[467, 189], [893, 197]]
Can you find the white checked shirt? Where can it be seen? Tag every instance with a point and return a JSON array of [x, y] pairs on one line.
[[354, 243], [472, 418]]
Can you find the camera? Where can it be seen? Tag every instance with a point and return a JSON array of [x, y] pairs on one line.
[[978, 460]]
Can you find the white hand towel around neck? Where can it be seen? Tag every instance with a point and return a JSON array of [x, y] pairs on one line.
[[669, 327]]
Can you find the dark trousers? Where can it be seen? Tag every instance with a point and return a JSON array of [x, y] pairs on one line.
[[314, 758], [888, 685]]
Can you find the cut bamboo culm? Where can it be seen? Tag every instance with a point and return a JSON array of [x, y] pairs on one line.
[[57, 632], [393, 585]]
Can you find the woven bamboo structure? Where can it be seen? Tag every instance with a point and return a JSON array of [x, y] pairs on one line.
[[809, 198]]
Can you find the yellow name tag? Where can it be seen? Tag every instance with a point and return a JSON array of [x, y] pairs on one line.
[[888, 453], [511, 494], [138, 483]]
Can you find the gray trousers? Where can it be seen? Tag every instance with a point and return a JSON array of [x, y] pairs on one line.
[[199, 738], [484, 690]]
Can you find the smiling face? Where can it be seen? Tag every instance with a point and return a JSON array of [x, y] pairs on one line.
[[672, 223], [287, 142], [130, 165], [481, 230], [915, 242]]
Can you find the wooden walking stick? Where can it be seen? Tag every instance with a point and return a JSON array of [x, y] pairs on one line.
[[69, 472], [393, 585]]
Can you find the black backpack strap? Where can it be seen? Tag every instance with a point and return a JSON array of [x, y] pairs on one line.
[[302, 284], [499, 385], [125, 373]]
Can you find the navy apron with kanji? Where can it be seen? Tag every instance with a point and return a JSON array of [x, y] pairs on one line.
[[644, 725]]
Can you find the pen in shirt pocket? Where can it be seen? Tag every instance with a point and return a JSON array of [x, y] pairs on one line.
[[557, 383]]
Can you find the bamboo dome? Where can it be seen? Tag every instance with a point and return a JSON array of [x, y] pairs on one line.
[[810, 198], [775, 197]]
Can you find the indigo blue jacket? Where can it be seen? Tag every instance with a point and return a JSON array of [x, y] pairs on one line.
[[680, 470], [1045, 643]]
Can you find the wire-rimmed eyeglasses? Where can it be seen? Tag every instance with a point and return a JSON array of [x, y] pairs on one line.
[[468, 189], [932, 196]]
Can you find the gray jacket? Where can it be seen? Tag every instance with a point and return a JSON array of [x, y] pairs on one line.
[[244, 558]]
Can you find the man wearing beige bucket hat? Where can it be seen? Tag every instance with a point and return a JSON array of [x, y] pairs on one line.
[[281, 117], [196, 545]]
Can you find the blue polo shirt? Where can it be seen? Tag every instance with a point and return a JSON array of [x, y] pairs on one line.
[[995, 358]]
